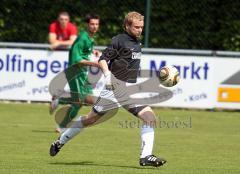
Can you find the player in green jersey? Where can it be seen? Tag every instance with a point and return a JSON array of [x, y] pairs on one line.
[[81, 90]]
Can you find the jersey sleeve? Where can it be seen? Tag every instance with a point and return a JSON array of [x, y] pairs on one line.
[[78, 52], [73, 30], [52, 28], [111, 51], [115, 43]]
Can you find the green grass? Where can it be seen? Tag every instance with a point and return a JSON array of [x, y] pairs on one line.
[[210, 143]]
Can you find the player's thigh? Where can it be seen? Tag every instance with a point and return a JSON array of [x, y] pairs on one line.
[[75, 88], [106, 102], [91, 118], [80, 90], [145, 113]]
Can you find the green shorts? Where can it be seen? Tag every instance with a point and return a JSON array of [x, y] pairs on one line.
[[80, 88]]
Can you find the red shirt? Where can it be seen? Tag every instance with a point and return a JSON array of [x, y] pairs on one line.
[[63, 34]]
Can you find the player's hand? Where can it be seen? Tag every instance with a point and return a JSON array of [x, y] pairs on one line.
[[97, 53], [54, 45]]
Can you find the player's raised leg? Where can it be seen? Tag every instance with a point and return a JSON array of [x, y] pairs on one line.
[[75, 128]]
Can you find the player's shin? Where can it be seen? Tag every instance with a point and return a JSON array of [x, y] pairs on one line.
[[147, 137], [72, 131]]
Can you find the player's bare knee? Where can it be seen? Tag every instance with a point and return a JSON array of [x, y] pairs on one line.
[[147, 116], [91, 119]]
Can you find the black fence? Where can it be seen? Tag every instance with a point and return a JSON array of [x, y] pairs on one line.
[[182, 24]]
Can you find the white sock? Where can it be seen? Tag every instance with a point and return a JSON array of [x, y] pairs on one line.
[[72, 131], [147, 136]]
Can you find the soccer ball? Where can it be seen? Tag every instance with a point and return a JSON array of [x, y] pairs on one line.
[[168, 76]]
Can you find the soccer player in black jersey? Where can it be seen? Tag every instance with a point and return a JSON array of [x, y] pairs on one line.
[[120, 63]]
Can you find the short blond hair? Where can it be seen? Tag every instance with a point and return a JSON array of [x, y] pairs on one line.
[[130, 17]]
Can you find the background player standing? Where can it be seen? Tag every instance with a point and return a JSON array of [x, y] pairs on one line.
[[62, 33]]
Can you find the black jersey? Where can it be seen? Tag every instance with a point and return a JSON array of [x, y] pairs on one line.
[[123, 57]]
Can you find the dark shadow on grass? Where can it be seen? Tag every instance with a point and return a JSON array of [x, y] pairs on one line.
[[41, 131], [73, 163], [90, 163]]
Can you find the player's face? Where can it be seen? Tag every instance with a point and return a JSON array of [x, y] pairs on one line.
[[93, 26], [136, 28], [63, 20]]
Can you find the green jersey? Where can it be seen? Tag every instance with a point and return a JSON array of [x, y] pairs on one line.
[[81, 50]]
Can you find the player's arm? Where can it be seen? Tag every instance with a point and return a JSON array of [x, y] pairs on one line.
[[104, 67], [88, 63], [52, 38], [58, 43], [68, 42], [80, 56], [107, 55], [107, 74]]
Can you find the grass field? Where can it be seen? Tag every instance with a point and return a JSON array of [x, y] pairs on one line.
[[200, 142]]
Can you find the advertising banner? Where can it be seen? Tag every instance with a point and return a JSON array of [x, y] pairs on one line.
[[205, 82], [25, 74]]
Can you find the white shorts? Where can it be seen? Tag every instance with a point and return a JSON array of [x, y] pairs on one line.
[[113, 99]]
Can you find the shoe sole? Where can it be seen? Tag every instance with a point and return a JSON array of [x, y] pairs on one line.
[[150, 164]]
